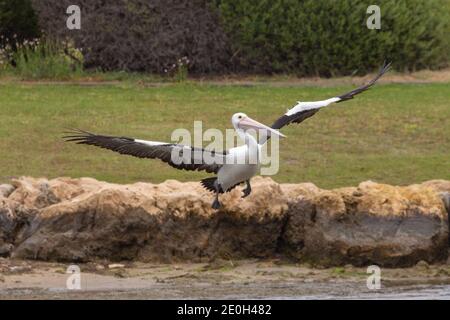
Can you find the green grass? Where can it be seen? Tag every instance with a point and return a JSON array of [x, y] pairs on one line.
[[396, 133], [42, 59]]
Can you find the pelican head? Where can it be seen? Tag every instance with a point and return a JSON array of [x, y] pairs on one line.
[[243, 122]]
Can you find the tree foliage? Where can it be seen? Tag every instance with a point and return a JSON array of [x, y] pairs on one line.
[[303, 37], [325, 37], [18, 22]]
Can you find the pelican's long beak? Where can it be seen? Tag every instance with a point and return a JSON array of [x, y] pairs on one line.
[[249, 123]]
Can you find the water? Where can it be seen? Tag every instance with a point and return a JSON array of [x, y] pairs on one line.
[[419, 292]]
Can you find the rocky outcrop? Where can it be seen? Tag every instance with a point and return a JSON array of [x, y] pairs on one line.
[[80, 220], [83, 219], [438, 185], [370, 224], [6, 190], [443, 188], [14, 219]]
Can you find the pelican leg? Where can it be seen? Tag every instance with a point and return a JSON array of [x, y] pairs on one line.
[[247, 190], [216, 204]]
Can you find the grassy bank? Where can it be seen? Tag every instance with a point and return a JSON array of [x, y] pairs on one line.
[[395, 133]]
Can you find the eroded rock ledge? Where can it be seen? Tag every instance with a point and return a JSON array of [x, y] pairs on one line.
[[84, 219]]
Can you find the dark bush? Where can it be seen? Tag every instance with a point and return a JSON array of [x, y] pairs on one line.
[[18, 22], [324, 37], [141, 35]]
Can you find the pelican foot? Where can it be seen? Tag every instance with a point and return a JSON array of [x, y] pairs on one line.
[[247, 190], [216, 204], [246, 193]]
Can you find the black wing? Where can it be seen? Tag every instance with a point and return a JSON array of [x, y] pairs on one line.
[[303, 110], [349, 95], [176, 155]]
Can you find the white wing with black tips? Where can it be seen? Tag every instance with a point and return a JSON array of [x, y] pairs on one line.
[[188, 158], [303, 110]]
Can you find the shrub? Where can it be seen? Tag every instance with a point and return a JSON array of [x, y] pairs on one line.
[[18, 21], [41, 59], [323, 37], [303, 37], [141, 35]]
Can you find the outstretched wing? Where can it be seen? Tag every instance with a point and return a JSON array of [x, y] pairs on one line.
[[176, 155], [303, 110], [349, 95]]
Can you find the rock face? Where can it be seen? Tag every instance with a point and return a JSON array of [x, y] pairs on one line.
[[6, 190], [80, 220], [443, 188], [371, 224], [83, 219], [13, 219]]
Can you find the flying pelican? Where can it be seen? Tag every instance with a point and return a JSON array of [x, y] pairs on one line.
[[229, 172]]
